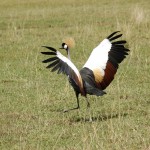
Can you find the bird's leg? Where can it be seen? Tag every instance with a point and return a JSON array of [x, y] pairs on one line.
[[88, 104], [89, 110], [78, 105]]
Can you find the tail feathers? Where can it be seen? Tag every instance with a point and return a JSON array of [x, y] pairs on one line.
[[94, 91]]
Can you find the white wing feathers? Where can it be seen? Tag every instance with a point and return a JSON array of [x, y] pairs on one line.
[[67, 61], [99, 56]]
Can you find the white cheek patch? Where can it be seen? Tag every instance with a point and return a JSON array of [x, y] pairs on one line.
[[65, 46]]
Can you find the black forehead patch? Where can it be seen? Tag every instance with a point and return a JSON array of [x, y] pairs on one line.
[[63, 44]]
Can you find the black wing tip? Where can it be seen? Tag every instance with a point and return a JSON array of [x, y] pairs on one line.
[[50, 59], [42, 52], [44, 46], [121, 42], [116, 32], [49, 53], [44, 61], [111, 35], [50, 48]]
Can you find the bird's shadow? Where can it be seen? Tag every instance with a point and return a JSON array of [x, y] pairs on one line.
[[98, 118]]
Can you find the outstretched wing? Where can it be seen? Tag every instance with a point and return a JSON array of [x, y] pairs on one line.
[[61, 64], [103, 62]]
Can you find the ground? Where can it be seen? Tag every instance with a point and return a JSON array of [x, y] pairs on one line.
[[32, 98]]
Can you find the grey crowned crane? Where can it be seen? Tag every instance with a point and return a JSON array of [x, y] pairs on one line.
[[98, 71]]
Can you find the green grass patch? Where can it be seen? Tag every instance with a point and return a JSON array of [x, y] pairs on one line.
[[32, 98]]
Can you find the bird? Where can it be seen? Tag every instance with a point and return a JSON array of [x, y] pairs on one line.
[[98, 71]]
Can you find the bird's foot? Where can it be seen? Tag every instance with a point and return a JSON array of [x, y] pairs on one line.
[[71, 109], [64, 111], [90, 119]]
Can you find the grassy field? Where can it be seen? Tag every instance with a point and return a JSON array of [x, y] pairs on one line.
[[32, 98]]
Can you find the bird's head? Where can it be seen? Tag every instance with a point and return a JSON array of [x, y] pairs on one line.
[[64, 46], [68, 43]]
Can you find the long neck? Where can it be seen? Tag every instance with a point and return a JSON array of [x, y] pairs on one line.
[[68, 53]]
